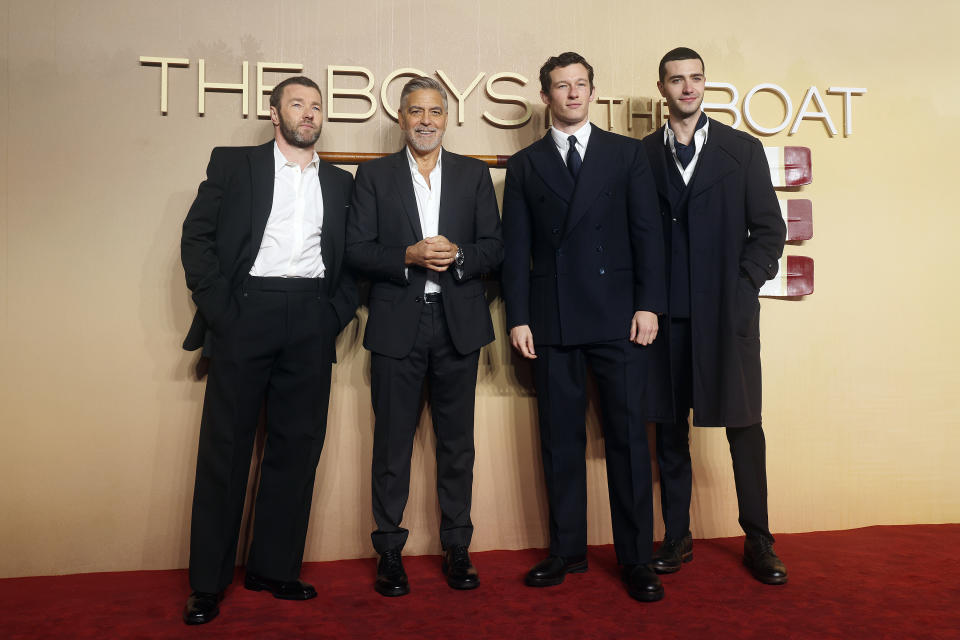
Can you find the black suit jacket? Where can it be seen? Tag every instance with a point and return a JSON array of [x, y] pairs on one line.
[[736, 234], [224, 228], [580, 258], [385, 221]]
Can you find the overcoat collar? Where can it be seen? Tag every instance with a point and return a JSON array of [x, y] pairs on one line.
[[714, 163]]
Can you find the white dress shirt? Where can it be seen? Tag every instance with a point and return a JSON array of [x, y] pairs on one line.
[[562, 140], [291, 240], [428, 207], [699, 138]]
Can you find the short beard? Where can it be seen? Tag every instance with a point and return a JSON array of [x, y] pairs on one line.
[[293, 136], [421, 145]]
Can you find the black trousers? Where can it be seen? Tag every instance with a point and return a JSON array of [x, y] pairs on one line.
[[560, 376], [396, 386], [747, 449], [275, 347]]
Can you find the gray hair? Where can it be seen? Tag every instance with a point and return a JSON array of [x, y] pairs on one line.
[[420, 83]]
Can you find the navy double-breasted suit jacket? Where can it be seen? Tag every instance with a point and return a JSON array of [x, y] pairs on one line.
[[581, 257]]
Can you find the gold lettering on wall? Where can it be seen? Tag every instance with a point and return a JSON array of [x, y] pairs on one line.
[[164, 64], [263, 89], [609, 102], [397, 73], [203, 86], [460, 96], [847, 92], [812, 106], [364, 94], [507, 99]]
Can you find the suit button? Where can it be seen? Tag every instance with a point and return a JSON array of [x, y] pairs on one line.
[[602, 271], [598, 227], [556, 230], [599, 249], [559, 252], [674, 219]]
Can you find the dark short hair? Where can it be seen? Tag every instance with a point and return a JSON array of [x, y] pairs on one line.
[[277, 94], [421, 83], [563, 60], [680, 53]]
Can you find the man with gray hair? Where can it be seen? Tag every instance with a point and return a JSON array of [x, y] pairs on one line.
[[424, 255]]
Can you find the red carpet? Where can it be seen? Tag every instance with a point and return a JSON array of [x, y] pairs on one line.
[[877, 582]]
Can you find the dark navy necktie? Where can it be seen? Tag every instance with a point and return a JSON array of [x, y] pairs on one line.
[[574, 161]]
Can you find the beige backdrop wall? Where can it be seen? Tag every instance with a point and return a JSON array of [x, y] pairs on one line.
[[99, 407]]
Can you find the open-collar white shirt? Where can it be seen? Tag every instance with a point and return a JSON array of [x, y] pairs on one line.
[[699, 138], [291, 240]]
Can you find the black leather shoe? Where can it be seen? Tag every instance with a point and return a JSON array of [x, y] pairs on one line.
[[460, 572], [285, 590], [391, 578], [554, 569], [202, 607], [642, 583], [671, 554], [762, 562]]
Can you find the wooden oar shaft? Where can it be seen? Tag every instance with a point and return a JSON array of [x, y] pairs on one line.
[[343, 157]]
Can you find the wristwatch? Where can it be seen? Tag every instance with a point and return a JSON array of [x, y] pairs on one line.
[[459, 259]]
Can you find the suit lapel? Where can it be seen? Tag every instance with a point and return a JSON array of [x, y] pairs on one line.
[[262, 172], [714, 162], [592, 178], [658, 164], [549, 166], [333, 220], [404, 182], [448, 191]]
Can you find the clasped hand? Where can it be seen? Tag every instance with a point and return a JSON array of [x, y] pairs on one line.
[[435, 253]]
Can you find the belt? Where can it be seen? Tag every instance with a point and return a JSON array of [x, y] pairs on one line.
[[259, 283], [430, 298]]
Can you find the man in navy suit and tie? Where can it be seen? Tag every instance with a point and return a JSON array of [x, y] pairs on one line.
[[583, 281]]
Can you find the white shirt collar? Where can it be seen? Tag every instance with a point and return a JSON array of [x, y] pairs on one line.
[[561, 139], [280, 161], [700, 135], [412, 162]]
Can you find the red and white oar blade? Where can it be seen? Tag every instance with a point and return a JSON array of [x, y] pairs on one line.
[[794, 278], [789, 166], [798, 216]]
